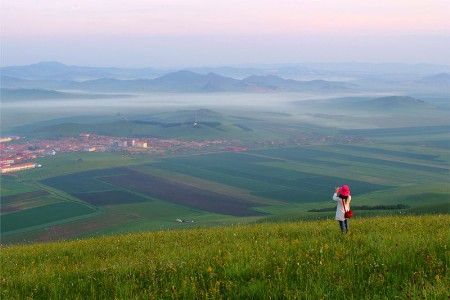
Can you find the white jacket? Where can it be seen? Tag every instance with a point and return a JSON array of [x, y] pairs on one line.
[[340, 208]]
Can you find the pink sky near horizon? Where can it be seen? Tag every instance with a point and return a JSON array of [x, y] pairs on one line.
[[55, 21]]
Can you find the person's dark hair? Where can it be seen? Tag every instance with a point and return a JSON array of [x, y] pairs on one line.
[[343, 197]]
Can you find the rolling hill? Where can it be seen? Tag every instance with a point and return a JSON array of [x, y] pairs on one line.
[[394, 104], [196, 123], [386, 105]]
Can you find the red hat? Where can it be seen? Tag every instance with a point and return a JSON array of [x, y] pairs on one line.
[[344, 190]]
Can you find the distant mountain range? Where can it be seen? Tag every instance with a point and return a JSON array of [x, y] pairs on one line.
[[58, 71], [441, 78], [52, 79], [180, 81], [40, 94]]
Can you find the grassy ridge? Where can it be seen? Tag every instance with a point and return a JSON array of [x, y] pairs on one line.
[[383, 257]]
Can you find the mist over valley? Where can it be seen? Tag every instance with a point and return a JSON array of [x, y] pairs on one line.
[[53, 87]]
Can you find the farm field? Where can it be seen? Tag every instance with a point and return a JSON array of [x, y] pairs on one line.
[[49, 213], [134, 194], [69, 163]]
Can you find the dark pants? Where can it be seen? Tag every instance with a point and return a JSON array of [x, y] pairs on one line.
[[343, 224]]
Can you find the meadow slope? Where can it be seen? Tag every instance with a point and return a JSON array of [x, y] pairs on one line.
[[381, 258]]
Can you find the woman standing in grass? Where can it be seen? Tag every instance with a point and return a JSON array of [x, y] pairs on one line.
[[343, 198]]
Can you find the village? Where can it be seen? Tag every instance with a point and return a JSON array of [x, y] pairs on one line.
[[17, 153]]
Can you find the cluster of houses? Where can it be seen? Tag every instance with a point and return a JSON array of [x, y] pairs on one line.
[[17, 154]]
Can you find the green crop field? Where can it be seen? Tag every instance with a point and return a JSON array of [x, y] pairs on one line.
[[12, 187], [28, 203], [43, 216], [381, 258], [69, 163], [111, 197], [137, 193], [82, 182]]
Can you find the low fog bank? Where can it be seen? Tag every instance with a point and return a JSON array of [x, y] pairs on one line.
[[16, 113], [338, 110]]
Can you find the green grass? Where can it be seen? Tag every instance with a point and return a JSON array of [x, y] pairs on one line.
[[28, 204], [69, 229], [69, 163], [43, 216], [382, 258], [11, 187]]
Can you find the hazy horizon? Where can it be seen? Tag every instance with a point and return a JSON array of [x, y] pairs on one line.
[[169, 34]]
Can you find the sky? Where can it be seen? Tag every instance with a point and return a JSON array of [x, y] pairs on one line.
[[194, 33]]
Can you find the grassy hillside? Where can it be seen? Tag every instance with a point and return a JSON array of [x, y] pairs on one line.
[[381, 258], [184, 124]]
